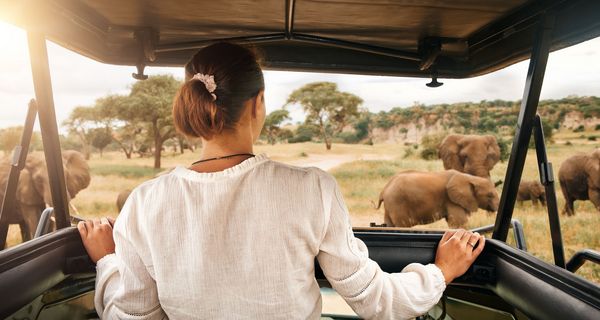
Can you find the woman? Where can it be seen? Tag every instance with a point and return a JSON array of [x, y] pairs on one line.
[[235, 235]]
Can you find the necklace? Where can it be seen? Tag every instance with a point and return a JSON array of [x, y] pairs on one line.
[[225, 157]]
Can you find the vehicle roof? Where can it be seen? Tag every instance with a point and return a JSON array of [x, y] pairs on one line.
[[463, 38]]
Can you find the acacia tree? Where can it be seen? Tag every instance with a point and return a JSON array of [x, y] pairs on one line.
[[273, 121], [326, 107], [150, 102], [119, 116], [100, 138], [79, 124]]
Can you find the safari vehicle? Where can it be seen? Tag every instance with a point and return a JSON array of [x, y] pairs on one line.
[[51, 277]]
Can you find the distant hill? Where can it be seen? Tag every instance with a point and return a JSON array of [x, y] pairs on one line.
[[498, 116]]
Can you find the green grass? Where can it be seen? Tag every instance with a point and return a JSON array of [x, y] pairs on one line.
[[125, 171]]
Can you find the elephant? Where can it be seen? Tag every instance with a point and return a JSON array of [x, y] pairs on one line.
[[122, 197], [417, 197], [531, 190], [33, 190], [579, 178], [472, 154]]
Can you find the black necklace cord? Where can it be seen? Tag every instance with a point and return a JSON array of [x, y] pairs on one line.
[[225, 157]]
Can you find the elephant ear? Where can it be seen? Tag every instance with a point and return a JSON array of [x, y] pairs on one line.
[[493, 152], [27, 192], [461, 191], [592, 168], [448, 151], [33, 181], [77, 172]]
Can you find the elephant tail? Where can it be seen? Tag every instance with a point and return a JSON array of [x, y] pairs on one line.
[[378, 205]]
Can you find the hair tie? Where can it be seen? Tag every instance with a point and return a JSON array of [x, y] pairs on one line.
[[209, 83]]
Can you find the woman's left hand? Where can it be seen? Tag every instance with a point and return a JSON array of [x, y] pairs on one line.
[[97, 237]]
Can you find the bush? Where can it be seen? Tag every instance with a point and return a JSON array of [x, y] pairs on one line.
[[568, 143], [581, 128], [592, 138], [429, 154], [504, 145], [408, 152], [348, 137], [430, 143], [597, 127], [298, 139], [304, 133]]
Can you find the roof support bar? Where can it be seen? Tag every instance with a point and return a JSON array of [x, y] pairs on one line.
[[289, 18], [525, 123], [356, 46], [547, 180], [295, 37], [8, 204], [265, 38], [45, 101]]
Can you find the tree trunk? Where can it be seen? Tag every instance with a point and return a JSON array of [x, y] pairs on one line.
[[86, 152], [157, 144], [181, 144]]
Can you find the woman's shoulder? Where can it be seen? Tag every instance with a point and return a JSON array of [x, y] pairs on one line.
[[298, 173]]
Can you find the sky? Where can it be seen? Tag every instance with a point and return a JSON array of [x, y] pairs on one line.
[[79, 81]]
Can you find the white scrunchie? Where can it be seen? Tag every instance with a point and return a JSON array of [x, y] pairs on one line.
[[209, 83]]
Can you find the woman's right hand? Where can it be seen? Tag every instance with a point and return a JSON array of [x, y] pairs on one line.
[[457, 250]]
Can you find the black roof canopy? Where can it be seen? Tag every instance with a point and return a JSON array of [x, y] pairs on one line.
[[456, 39]]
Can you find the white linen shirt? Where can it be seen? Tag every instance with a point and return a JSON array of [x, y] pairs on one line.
[[241, 244]]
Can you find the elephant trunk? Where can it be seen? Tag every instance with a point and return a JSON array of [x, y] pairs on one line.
[[478, 170]]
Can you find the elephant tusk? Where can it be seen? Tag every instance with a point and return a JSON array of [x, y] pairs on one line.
[[74, 208]]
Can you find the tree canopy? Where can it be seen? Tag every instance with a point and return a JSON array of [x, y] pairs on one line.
[[326, 107], [272, 127]]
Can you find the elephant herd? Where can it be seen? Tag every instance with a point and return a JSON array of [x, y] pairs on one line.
[[410, 197], [414, 197]]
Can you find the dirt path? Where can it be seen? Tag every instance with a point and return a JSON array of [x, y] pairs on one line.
[[328, 162]]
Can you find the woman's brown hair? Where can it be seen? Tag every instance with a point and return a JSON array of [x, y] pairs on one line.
[[238, 77]]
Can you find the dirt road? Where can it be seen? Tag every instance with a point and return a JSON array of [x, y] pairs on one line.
[[328, 162]]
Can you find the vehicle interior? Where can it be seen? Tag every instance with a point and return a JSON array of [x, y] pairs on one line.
[[51, 276]]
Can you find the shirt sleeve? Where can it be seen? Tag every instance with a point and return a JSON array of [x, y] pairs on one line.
[[124, 287], [371, 292]]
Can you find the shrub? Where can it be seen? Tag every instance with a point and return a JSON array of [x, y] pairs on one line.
[[303, 133], [430, 143], [597, 127], [348, 137], [408, 152], [504, 145], [592, 138], [568, 143], [429, 154], [581, 128]]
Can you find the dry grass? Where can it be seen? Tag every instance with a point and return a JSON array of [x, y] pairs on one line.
[[361, 181]]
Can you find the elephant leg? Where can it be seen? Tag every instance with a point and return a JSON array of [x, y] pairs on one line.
[[31, 216], [595, 197], [387, 220], [457, 217], [569, 208], [26, 233]]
